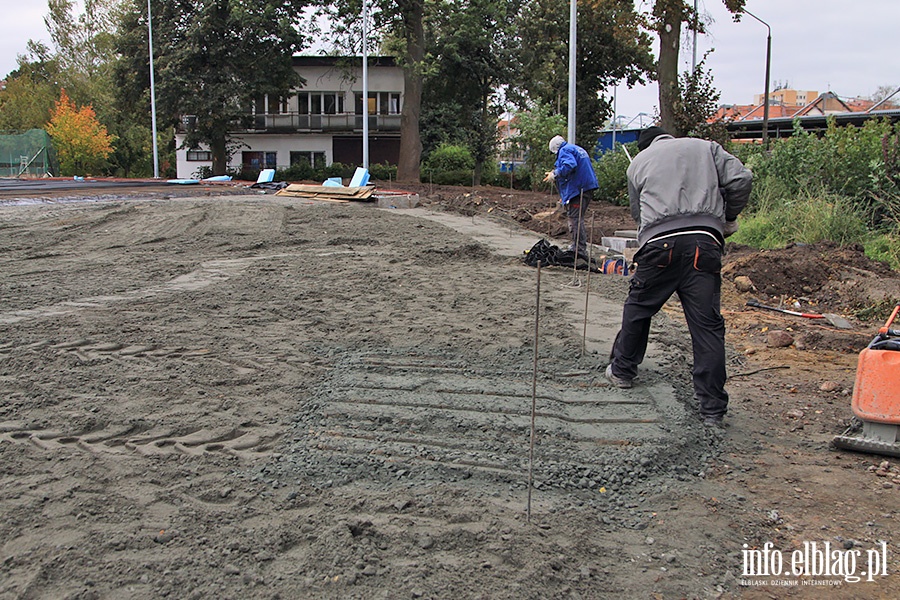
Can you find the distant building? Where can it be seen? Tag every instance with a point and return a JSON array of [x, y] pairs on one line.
[[788, 97], [320, 123], [509, 155], [744, 121]]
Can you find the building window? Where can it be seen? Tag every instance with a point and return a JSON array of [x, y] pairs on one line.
[[324, 103], [382, 103], [259, 160], [315, 159], [199, 155], [268, 105]]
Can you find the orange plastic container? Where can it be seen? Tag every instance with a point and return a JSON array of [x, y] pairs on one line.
[[876, 394]]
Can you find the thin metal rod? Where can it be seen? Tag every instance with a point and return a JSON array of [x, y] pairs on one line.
[[537, 321], [587, 291], [575, 280]]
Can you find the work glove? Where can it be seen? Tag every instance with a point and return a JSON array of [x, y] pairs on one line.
[[731, 228], [550, 176]]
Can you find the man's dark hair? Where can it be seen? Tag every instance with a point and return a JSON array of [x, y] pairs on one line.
[[648, 135]]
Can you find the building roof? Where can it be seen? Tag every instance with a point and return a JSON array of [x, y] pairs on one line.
[[331, 61]]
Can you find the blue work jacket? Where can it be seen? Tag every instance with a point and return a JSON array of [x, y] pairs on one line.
[[574, 172]]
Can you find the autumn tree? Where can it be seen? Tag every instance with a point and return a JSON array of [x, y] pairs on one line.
[[81, 142]]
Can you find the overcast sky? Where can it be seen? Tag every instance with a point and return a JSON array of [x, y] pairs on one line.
[[850, 48]]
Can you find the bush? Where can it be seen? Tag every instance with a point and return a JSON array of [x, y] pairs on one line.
[[337, 169], [456, 177], [854, 162], [449, 157], [299, 171], [613, 182], [383, 172]]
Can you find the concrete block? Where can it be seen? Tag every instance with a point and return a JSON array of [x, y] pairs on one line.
[[396, 200], [619, 244]]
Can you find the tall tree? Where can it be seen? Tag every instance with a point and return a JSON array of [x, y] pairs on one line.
[[473, 47], [667, 19], [212, 59], [31, 90], [398, 26], [612, 47]]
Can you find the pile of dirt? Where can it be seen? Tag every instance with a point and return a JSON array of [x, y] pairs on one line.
[[823, 276]]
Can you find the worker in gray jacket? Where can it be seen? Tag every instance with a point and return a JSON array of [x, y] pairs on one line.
[[685, 195]]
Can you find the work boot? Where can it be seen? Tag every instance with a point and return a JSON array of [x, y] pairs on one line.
[[714, 422], [617, 381]]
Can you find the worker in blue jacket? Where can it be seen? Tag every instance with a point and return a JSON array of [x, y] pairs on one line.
[[576, 181]]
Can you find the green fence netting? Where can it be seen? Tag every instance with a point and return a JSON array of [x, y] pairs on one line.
[[27, 154]]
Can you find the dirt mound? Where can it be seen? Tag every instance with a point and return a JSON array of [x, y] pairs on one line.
[[825, 276]]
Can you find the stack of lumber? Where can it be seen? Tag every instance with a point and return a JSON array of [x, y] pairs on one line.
[[327, 193]]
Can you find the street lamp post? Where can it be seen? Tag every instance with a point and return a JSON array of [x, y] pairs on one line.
[[765, 132]]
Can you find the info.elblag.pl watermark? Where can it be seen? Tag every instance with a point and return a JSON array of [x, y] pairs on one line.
[[815, 563]]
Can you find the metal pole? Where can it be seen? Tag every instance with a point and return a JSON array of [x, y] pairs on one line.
[[587, 290], [537, 321], [365, 92], [573, 17], [765, 132], [152, 94]]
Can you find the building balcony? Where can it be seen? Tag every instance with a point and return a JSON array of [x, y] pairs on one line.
[[297, 123]]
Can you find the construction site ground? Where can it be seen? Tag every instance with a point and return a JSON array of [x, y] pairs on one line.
[[212, 392]]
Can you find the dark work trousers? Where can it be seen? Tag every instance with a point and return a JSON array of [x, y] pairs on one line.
[[689, 265], [575, 211]]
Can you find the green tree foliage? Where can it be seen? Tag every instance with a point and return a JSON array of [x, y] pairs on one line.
[[212, 59], [536, 127], [612, 47], [400, 27], [472, 46], [31, 91]]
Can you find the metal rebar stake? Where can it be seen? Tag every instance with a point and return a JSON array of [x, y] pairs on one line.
[[587, 291], [537, 314], [576, 281]]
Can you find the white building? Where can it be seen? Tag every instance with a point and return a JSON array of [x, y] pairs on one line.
[[320, 122]]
